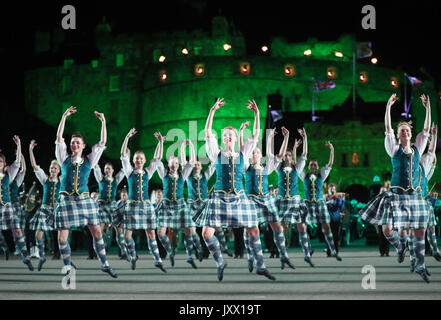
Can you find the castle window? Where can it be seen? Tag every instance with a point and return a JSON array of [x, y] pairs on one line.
[[119, 60], [244, 68], [67, 84], [94, 64], [68, 63], [289, 70], [114, 84]]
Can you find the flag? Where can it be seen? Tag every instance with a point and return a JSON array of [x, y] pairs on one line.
[[320, 86], [364, 49], [414, 81]]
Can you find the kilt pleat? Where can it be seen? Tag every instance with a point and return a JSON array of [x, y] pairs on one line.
[[38, 221], [106, 210], [20, 213], [174, 214], [315, 212], [267, 210], [196, 208], [74, 211], [229, 210], [399, 208], [135, 215], [290, 209], [8, 218]]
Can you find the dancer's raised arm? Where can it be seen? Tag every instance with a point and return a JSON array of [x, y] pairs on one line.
[[209, 124], [426, 103], [285, 142], [32, 145], [253, 107], [100, 116], [60, 130], [242, 128], [387, 118], [331, 155]]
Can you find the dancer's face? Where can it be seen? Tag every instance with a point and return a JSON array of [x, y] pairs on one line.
[[229, 137], [257, 155], [108, 170], [124, 196], [404, 133], [288, 157], [77, 145], [159, 195], [173, 164], [197, 167], [139, 160], [313, 166], [54, 170]]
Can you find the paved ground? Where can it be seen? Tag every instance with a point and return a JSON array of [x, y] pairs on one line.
[[330, 279]]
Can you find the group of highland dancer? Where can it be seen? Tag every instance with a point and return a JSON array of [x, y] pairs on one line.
[[240, 197]]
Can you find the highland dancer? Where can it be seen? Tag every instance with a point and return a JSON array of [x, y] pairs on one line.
[[257, 189], [75, 207], [288, 197], [427, 167], [138, 213], [8, 218], [228, 205], [51, 190], [173, 211], [108, 186], [314, 202], [403, 206]]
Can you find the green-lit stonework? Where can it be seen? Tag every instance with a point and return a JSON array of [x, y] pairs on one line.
[[125, 84]]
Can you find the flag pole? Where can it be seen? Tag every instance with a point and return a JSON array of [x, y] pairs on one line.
[[354, 56], [406, 107], [312, 98]]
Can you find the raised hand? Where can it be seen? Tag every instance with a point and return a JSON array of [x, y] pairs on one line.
[[131, 133], [70, 111], [252, 106], [218, 104], [302, 132], [100, 116], [32, 145], [329, 145], [426, 101], [16, 140], [434, 129], [392, 100], [272, 132], [244, 125], [297, 143], [159, 136], [285, 131]]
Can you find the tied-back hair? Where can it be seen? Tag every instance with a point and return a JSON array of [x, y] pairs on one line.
[[172, 158], [78, 135], [138, 152], [55, 162], [110, 164], [405, 123]]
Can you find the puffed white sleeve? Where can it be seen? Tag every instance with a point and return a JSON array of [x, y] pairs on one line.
[[161, 170], [324, 172], [431, 171], [210, 170], [97, 173], [61, 151], [212, 148], [390, 143], [186, 171], [421, 141], [248, 147], [300, 164], [95, 155], [13, 170], [153, 166], [302, 174], [41, 176], [119, 176], [19, 178], [272, 164], [126, 166]]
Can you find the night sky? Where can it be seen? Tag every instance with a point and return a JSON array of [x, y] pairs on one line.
[[406, 37]]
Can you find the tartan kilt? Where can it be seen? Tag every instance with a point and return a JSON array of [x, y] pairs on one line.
[[267, 210], [8, 218], [38, 221], [290, 209], [20, 213], [74, 211], [399, 208], [106, 210], [432, 218], [135, 215], [229, 210], [174, 214], [196, 208], [315, 212]]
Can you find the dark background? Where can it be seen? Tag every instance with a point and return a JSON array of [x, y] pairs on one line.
[[406, 36]]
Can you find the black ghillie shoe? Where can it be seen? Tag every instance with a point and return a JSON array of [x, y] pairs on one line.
[[266, 273], [286, 261], [40, 263], [160, 266], [110, 271], [192, 264], [308, 260], [220, 272]]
